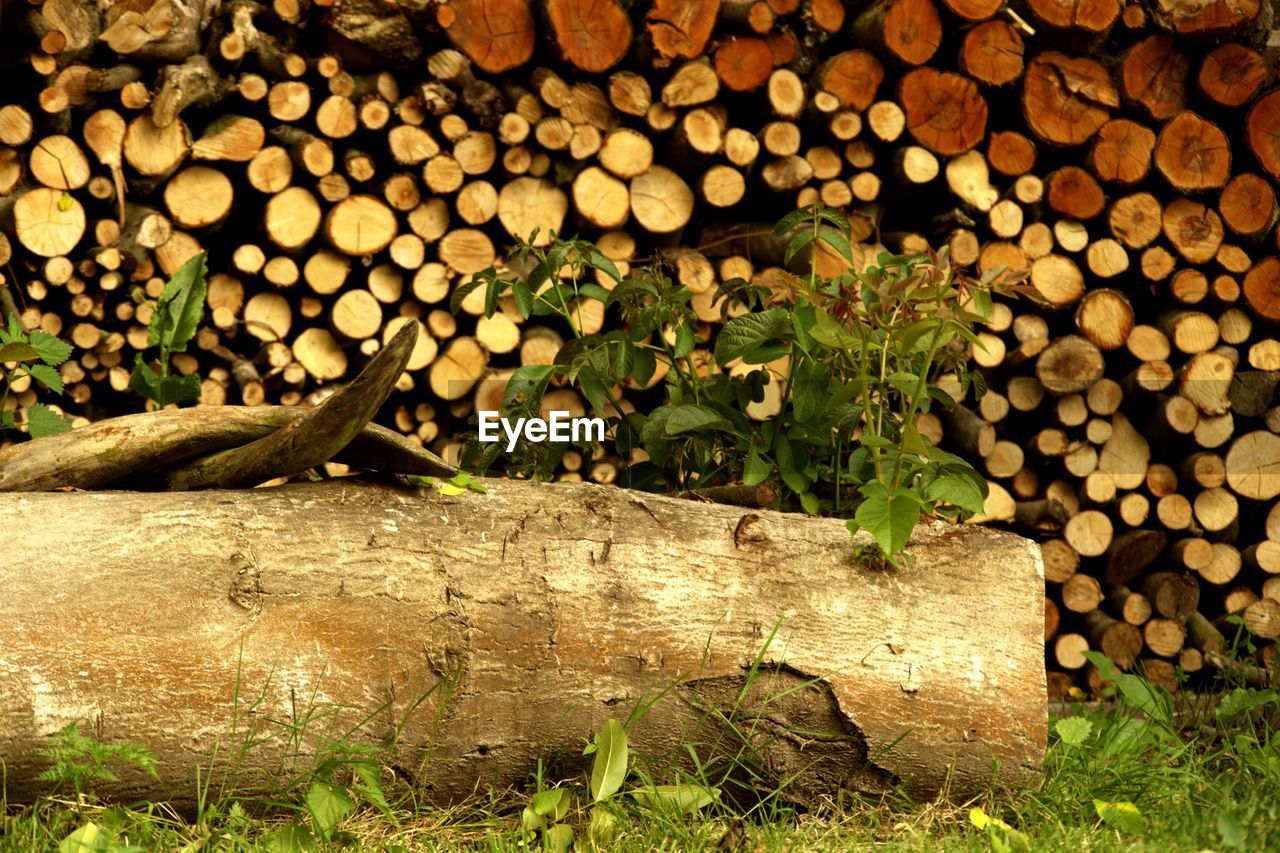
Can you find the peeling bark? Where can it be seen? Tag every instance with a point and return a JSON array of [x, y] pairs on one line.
[[526, 617]]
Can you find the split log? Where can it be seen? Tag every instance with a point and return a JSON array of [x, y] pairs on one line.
[[224, 621]]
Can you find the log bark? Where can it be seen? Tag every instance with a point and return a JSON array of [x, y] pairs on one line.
[[503, 610]]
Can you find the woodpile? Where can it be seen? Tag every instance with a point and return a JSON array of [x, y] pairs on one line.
[[349, 165]]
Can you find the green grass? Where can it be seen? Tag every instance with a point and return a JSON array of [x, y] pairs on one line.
[[1147, 772]]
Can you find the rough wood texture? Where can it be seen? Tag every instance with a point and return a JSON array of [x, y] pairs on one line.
[[549, 607]]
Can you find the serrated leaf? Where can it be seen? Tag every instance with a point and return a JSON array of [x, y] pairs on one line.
[[179, 308], [18, 352], [47, 376], [1123, 816], [601, 262], [42, 421], [327, 804], [827, 331], [369, 787], [53, 351], [609, 769], [1073, 730]]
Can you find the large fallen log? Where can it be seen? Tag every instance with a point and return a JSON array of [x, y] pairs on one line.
[[525, 617]]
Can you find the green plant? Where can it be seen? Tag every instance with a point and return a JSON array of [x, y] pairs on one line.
[[174, 321], [549, 809], [858, 357], [36, 354], [79, 760]]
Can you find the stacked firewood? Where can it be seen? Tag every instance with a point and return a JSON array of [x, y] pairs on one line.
[[349, 165]]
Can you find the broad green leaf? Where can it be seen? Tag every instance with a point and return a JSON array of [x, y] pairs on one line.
[[523, 297], [956, 490], [809, 503], [598, 260], [791, 220], [685, 341], [1244, 699], [604, 825], [691, 417], [53, 351], [179, 308], [889, 519], [837, 241], [610, 766], [907, 383], [684, 799], [6, 420], [756, 469], [526, 387], [1123, 816], [89, 838], [47, 376], [809, 392], [552, 803], [743, 334], [1073, 730], [827, 331], [291, 838], [328, 804], [18, 352], [1231, 832], [42, 421], [179, 389], [1149, 698], [795, 481], [798, 242], [558, 838]]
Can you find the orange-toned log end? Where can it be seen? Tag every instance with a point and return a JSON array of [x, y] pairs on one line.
[[1216, 16], [497, 35], [1193, 153], [1010, 153], [784, 45], [973, 10], [592, 35], [744, 64], [1247, 204], [1121, 152], [1092, 16], [992, 53], [1154, 73], [1262, 288], [1067, 99], [853, 76], [1073, 192], [1232, 74], [945, 112], [1262, 128], [679, 29], [827, 15], [912, 30]]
